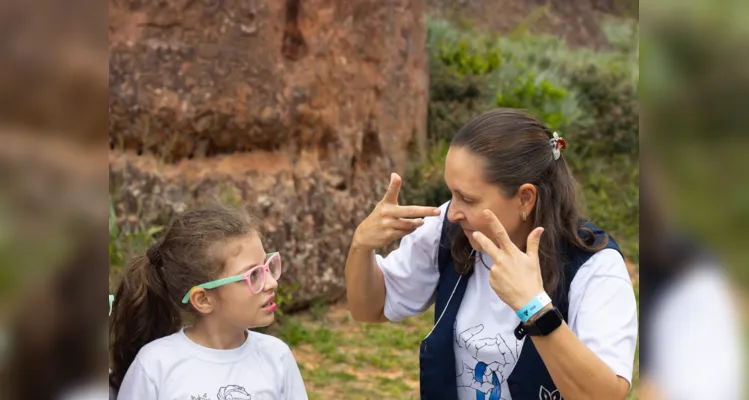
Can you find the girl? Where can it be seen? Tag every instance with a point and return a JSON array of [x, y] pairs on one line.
[[543, 309], [212, 264]]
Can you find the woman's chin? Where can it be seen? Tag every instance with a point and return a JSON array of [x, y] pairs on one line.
[[474, 244]]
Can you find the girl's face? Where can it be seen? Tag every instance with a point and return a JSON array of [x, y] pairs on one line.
[[238, 305], [471, 195]]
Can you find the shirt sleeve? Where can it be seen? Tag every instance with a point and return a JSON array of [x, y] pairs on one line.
[[411, 272], [293, 385], [603, 311], [137, 384]]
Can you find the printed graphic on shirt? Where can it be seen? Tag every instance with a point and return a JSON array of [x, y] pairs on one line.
[[494, 358], [231, 392], [544, 394]]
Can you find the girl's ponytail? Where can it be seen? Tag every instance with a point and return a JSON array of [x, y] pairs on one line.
[[143, 311], [147, 304]]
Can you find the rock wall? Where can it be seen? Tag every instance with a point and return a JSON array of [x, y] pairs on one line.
[[578, 22], [301, 108]]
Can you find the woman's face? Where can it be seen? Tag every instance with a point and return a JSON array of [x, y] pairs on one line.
[[471, 195]]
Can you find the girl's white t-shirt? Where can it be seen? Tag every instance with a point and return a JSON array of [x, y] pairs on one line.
[[176, 368], [602, 310]]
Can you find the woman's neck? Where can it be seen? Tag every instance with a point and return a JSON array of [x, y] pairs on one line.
[[215, 336], [520, 239]]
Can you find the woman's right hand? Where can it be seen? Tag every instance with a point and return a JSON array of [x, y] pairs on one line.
[[390, 221]]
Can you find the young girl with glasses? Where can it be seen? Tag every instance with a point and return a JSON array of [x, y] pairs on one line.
[[211, 263]]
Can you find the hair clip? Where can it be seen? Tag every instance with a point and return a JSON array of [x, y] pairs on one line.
[[557, 143]]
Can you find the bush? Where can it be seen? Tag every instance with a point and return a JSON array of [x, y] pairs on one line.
[[589, 98]]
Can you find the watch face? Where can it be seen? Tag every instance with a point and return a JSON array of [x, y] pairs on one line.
[[548, 322]]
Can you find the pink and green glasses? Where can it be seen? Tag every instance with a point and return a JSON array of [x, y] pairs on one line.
[[255, 277]]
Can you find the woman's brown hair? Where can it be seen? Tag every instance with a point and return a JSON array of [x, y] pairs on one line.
[[515, 149], [148, 303]]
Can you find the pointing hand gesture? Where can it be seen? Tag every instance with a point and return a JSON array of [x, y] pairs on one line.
[[515, 275], [390, 221]]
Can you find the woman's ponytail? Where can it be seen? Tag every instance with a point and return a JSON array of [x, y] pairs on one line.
[[143, 311]]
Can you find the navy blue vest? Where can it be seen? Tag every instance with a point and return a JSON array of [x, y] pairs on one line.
[[437, 357]]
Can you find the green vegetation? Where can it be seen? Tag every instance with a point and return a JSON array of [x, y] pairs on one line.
[[590, 98]]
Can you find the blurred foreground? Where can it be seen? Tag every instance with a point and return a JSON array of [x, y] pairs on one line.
[[53, 214], [694, 203]]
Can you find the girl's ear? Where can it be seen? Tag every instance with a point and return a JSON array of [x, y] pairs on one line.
[[202, 301]]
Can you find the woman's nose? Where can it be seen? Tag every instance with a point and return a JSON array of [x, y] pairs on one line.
[[454, 215]]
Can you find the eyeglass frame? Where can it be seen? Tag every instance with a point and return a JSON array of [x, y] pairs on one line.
[[265, 268]]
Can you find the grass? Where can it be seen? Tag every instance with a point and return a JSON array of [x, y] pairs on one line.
[[340, 358]]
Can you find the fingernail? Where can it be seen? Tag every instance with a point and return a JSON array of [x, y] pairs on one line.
[[487, 213], [436, 211]]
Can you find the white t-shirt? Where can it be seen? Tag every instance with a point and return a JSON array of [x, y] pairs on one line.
[[90, 391], [176, 368], [682, 369], [602, 309]]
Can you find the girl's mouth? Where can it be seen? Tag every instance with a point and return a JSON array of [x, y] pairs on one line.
[[269, 306]]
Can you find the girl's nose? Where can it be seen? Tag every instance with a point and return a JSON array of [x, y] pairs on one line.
[[270, 283]]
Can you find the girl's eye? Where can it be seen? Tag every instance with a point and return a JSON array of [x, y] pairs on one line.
[[467, 201]]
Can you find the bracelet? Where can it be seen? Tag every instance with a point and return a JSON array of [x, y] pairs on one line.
[[540, 301]]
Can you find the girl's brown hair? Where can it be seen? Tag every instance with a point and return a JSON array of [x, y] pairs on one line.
[[515, 149], [148, 302]]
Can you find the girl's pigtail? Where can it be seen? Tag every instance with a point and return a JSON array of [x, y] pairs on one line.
[[143, 311]]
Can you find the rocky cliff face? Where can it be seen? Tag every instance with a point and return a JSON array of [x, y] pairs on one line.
[[578, 22], [301, 108]]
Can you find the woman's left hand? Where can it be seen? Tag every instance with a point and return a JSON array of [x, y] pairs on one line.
[[515, 276]]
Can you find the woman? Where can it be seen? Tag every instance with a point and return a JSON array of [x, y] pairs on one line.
[[530, 300]]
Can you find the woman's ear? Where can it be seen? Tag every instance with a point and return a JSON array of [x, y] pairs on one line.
[[201, 301], [527, 195]]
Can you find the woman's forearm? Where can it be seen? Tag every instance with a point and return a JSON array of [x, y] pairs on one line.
[[576, 371], [365, 285]]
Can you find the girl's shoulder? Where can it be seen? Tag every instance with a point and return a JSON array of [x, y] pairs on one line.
[[269, 343], [160, 347]]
